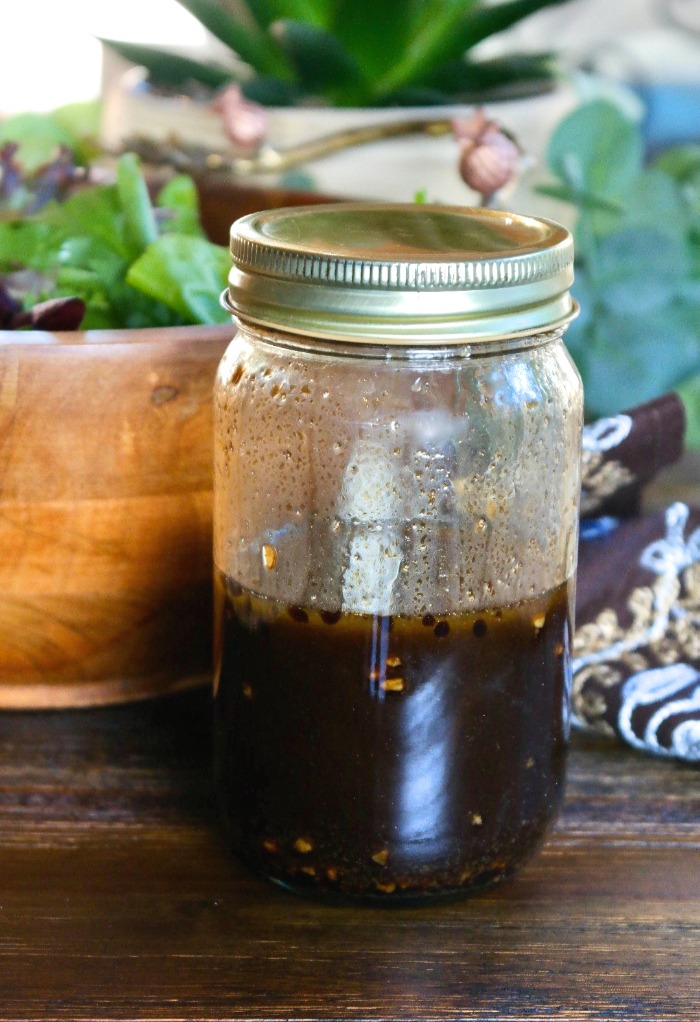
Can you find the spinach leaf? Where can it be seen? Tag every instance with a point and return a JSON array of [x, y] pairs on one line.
[[131, 263], [185, 273], [139, 220], [178, 206]]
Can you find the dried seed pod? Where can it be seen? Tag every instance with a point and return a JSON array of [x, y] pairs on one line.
[[490, 163], [472, 128]]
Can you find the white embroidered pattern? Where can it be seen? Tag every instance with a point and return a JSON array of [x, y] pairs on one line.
[[659, 685], [665, 629], [601, 477]]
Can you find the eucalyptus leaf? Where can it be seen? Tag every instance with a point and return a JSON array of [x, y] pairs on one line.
[[637, 261], [689, 392], [640, 270], [584, 200], [653, 200], [689, 291], [597, 150], [623, 366], [680, 162]]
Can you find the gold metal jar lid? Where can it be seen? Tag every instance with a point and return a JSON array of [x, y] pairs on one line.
[[400, 273]]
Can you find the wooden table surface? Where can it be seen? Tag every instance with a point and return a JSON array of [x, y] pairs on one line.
[[120, 900]]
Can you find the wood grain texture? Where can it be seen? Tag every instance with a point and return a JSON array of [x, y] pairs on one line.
[[105, 513], [105, 500], [120, 900]]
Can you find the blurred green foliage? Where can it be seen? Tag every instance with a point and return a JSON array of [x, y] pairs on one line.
[[353, 52], [132, 261], [637, 261]]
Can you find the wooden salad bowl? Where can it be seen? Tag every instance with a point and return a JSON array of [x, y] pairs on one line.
[[105, 513], [105, 502]]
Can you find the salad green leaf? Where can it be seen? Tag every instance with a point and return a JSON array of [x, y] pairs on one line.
[[74, 126], [178, 206], [140, 229], [165, 272], [132, 263]]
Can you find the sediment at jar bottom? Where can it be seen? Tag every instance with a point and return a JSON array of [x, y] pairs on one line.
[[389, 758]]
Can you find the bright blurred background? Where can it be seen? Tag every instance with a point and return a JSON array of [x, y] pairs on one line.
[[51, 55]]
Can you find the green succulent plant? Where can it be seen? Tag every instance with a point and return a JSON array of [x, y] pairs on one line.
[[354, 52]]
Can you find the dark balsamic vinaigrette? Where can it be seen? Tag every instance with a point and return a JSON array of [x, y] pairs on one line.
[[389, 758]]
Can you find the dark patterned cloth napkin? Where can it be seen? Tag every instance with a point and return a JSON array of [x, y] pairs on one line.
[[636, 668]]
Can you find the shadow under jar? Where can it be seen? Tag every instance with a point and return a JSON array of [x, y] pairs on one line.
[[397, 430]]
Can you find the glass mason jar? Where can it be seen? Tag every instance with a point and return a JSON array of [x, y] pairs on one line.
[[397, 430]]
